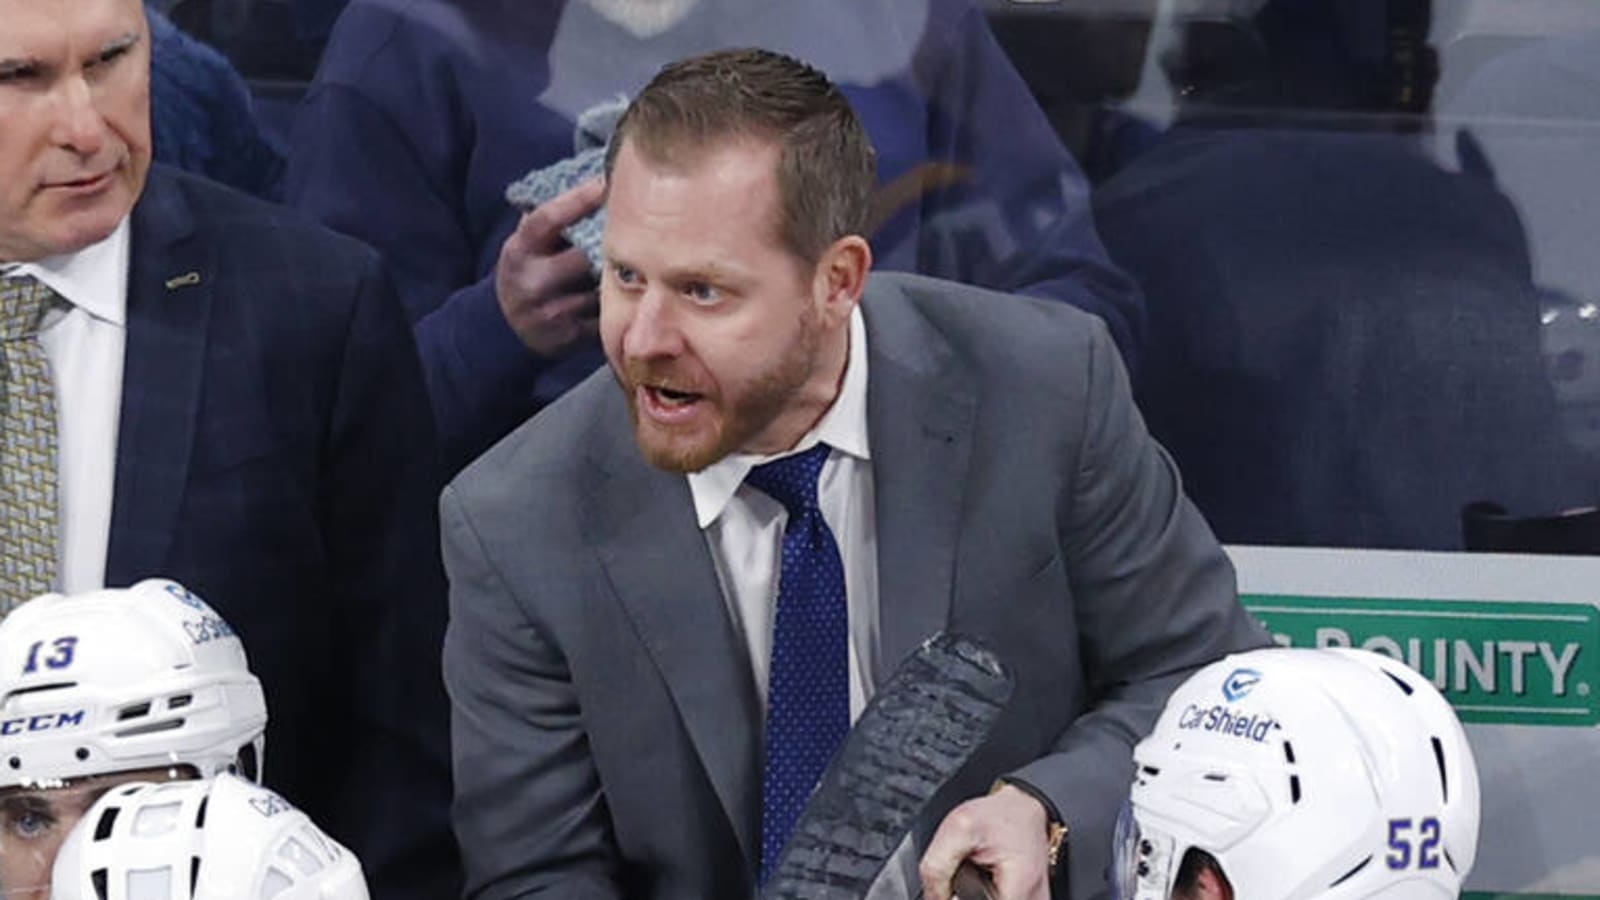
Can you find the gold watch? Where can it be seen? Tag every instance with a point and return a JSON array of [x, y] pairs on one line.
[[1055, 836], [1055, 830]]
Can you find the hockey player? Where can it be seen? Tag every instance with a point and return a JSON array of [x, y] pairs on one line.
[[145, 683], [1293, 774], [220, 839]]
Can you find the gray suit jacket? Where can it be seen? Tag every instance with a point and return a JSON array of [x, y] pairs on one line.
[[606, 727]]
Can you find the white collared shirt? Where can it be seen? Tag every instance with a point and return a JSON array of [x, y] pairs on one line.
[[744, 529], [85, 345]]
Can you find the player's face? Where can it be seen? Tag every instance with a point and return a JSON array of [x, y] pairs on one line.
[[74, 122], [722, 340], [34, 822]]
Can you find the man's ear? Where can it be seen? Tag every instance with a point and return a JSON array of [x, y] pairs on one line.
[[840, 277], [1212, 884]]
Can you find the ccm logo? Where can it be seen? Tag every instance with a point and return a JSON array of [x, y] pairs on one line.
[[45, 722]]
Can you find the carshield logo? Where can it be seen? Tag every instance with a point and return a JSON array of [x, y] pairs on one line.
[[1239, 684], [184, 596]]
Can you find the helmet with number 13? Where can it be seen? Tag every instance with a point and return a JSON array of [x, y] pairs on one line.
[[143, 683]]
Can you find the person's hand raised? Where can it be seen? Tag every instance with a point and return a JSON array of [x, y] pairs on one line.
[[545, 288]]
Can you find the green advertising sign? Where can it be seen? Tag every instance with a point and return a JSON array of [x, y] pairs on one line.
[[1498, 662], [1505, 895]]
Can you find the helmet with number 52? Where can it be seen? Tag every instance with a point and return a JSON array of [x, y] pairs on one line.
[[1292, 774]]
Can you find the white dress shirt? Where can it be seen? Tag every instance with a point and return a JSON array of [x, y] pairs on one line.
[[85, 343], [744, 529]]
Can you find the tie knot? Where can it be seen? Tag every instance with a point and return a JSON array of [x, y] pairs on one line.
[[23, 301], [792, 480]]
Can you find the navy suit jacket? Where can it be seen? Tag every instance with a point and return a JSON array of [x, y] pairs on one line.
[[276, 454]]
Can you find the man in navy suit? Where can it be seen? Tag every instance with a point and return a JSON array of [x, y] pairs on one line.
[[227, 396]]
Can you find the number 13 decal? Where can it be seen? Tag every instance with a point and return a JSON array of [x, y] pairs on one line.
[[59, 655], [1400, 843]]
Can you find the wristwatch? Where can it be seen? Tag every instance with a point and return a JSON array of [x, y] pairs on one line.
[[1055, 828]]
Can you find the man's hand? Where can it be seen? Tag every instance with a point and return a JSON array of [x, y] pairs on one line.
[[545, 288], [1005, 833]]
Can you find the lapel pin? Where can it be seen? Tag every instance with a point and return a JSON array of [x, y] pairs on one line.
[[183, 280]]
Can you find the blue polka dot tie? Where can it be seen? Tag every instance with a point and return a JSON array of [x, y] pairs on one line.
[[808, 694]]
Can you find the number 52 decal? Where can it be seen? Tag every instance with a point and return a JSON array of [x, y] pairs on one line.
[[1403, 837]]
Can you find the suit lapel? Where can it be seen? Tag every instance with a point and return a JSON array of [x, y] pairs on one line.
[[920, 410], [661, 570], [920, 413], [169, 306]]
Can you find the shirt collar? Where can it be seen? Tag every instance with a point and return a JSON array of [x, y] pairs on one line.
[[93, 279], [843, 427]]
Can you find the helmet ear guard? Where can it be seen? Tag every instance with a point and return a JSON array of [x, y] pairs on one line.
[[222, 839], [148, 676], [1305, 774]]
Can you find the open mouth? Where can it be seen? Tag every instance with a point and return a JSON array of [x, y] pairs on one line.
[[668, 404], [669, 397]]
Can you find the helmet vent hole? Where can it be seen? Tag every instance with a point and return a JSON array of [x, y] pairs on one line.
[[194, 873], [102, 828], [275, 882], [1288, 752], [98, 879], [15, 763], [1406, 688], [200, 816], [81, 753], [151, 728], [1294, 788], [133, 712], [297, 854], [1151, 770], [180, 701], [36, 688], [1352, 873], [249, 762], [1216, 776], [1438, 758]]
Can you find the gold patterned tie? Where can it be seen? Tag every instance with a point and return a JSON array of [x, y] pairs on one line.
[[27, 446]]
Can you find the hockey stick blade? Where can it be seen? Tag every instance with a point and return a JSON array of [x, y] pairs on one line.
[[921, 727]]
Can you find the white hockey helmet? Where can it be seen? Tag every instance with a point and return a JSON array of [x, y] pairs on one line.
[[123, 679], [1329, 774], [220, 839]]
